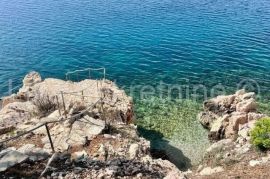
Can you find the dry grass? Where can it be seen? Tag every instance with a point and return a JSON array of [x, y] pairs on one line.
[[45, 104]]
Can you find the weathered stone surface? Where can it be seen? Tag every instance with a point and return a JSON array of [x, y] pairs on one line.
[[10, 159], [79, 155], [77, 134], [255, 116], [210, 171], [217, 146], [219, 104], [175, 175], [6, 129], [207, 118], [35, 154], [246, 106], [167, 167], [243, 132], [224, 116], [216, 131], [10, 99], [116, 104], [16, 113], [54, 115], [26, 148], [31, 79], [238, 118], [253, 163], [5, 151], [133, 150]]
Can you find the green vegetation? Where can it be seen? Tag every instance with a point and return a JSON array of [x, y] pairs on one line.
[[260, 135]]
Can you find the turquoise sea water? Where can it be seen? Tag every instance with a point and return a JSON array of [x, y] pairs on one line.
[[139, 42], [143, 42]]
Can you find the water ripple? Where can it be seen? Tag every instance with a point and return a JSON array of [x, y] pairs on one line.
[[204, 42]]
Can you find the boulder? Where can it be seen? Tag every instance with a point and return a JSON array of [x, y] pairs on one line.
[[34, 154], [237, 118], [216, 131], [31, 79], [246, 106], [219, 104], [247, 96], [10, 159], [206, 119], [225, 115]]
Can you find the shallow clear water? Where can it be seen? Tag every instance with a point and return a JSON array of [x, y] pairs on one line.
[[142, 42], [139, 42]]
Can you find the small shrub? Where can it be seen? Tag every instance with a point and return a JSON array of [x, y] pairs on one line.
[[45, 104], [260, 135]]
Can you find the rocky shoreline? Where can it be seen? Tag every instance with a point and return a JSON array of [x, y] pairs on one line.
[[90, 124], [93, 136]]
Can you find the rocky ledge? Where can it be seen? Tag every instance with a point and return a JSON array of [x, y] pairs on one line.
[[230, 116], [229, 120], [90, 124]]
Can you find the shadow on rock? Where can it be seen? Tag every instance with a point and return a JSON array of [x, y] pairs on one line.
[[160, 148]]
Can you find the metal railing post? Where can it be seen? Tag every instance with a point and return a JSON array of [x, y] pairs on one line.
[[64, 105], [58, 105], [50, 139], [82, 96]]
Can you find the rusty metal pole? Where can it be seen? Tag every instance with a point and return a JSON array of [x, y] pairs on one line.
[[58, 105], [82, 96], [64, 105], [50, 139]]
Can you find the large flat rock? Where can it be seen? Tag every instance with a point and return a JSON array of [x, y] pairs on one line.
[[10, 159]]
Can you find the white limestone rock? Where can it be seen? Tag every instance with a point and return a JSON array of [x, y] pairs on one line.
[[10, 159]]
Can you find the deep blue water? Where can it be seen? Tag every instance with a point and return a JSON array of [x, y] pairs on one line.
[[138, 41]]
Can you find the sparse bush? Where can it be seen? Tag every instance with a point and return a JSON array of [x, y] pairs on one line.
[[45, 104], [260, 134]]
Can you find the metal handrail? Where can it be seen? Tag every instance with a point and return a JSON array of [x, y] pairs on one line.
[[47, 129], [89, 72], [66, 118]]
